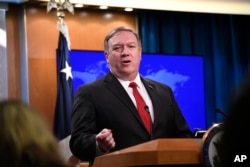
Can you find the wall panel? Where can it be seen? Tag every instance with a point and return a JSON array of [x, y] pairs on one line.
[[13, 53]]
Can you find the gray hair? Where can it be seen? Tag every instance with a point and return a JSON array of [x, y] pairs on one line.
[[116, 30]]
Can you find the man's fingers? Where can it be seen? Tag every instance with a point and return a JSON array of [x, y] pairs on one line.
[[105, 139]]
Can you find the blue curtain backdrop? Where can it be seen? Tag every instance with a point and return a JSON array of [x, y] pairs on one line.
[[65, 96], [223, 41]]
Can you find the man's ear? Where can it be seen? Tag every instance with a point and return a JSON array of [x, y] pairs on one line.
[[106, 57], [141, 54]]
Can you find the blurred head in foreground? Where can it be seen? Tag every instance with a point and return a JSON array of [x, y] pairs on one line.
[[25, 139], [236, 138]]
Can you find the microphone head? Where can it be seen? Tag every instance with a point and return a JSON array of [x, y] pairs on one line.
[[217, 110]]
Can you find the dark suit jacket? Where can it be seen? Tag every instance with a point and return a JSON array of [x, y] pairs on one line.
[[105, 104]]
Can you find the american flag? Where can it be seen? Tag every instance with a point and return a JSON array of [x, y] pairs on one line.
[[65, 95]]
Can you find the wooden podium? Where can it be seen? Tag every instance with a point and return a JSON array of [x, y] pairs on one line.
[[159, 152]]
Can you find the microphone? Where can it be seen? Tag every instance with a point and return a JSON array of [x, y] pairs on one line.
[[146, 108], [217, 110]]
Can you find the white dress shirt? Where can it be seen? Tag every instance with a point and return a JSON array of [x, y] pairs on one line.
[[142, 90]]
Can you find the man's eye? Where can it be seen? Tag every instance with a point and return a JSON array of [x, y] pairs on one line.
[[117, 48]]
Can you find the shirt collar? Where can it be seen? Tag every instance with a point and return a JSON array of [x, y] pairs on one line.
[[137, 81]]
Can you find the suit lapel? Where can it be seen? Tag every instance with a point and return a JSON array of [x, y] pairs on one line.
[[116, 88], [151, 89]]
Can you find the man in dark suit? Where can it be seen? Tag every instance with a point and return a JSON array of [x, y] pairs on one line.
[[104, 114]]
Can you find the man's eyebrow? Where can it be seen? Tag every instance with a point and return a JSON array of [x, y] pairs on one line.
[[117, 44], [121, 43]]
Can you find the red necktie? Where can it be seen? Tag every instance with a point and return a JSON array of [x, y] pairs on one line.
[[141, 107]]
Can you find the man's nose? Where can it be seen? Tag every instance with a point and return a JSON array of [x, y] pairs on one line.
[[125, 51]]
